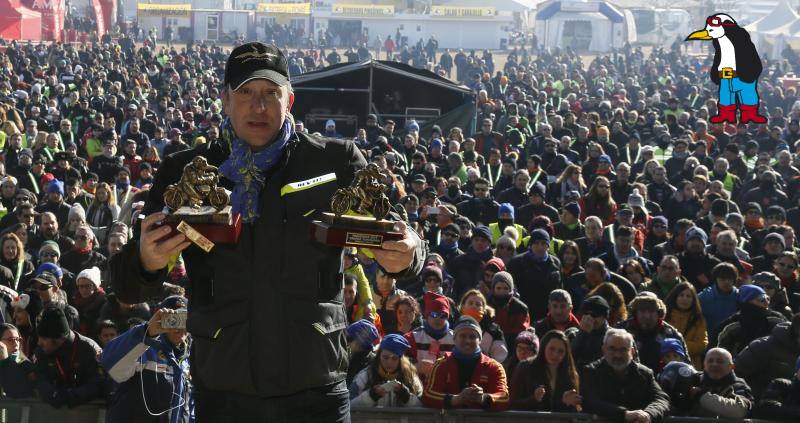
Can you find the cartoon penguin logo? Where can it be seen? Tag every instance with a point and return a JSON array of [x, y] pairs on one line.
[[736, 69]]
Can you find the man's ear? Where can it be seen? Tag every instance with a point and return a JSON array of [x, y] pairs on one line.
[[291, 102]]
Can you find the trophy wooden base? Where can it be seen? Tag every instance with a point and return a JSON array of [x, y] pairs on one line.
[[217, 227], [353, 231]]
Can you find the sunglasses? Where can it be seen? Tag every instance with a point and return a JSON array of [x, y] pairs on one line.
[[48, 254], [438, 315]]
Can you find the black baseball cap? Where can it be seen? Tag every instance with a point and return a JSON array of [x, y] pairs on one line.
[[256, 60]]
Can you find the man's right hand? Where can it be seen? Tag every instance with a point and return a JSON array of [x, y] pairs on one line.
[[155, 249]]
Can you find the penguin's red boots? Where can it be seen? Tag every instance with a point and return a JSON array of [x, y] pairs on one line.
[[725, 113], [750, 114]]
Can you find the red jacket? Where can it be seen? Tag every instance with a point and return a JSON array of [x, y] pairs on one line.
[[443, 383]]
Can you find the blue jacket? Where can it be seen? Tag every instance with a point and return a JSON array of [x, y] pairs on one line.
[[141, 365], [716, 308]]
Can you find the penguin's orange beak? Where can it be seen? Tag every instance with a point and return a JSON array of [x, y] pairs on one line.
[[698, 35]]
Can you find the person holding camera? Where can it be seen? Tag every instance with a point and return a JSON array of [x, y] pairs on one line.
[[720, 393], [150, 365]]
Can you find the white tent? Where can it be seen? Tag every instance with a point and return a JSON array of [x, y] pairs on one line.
[[583, 25], [782, 14]]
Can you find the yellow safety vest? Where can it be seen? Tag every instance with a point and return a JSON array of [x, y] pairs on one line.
[[496, 234]]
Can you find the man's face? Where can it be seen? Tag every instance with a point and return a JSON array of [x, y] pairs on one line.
[[618, 353], [717, 365], [668, 270], [115, 244], [257, 110], [349, 295], [521, 181], [559, 311], [726, 246], [647, 318], [480, 244], [539, 247], [695, 246], [46, 293], [467, 341], [107, 335], [437, 320], [773, 248], [49, 225], [659, 175], [481, 191], [50, 345], [83, 239], [624, 243]]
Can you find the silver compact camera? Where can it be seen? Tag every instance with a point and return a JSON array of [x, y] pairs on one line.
[[175, 321]]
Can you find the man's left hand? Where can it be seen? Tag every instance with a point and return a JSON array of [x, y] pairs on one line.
[[396, 256]]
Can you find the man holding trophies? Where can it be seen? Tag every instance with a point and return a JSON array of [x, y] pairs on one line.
[[266, 314]]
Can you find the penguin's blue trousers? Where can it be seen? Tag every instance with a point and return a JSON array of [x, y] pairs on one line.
[[729, 89]]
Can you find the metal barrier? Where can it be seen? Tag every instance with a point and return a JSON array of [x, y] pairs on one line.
[[425, 415], [35, 411]]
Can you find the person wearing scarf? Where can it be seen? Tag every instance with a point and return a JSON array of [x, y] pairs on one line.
[[753, 218], [753, 320], [466, 378], [430, 341], [467, 267], [720, 393], [448, 245]]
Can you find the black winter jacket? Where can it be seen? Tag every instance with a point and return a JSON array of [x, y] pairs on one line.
[[768, 358], [266, 314], [607, 394]]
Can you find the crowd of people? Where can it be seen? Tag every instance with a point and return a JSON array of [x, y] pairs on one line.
[[596, 245]]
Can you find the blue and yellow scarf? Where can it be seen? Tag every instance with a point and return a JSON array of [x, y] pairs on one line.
[[247, 169]]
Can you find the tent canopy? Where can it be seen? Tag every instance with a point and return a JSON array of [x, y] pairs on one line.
[[782, 14], [17, 22], [348, 92]]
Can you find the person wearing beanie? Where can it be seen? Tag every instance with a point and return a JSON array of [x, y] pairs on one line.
[[536, 206], [527, 347], [362, 336], [432, 280], [467, 266], [435, 337], [448, 243], [150, 360], [753, 320], [536, 273], [66, 362], [511, 314], [505, 218], [55, 203], [569, 226], [672, 350], [493, 343], [466, 378], [390, 379], [587, 337], [772, 246], [695, 261], [89, 298]]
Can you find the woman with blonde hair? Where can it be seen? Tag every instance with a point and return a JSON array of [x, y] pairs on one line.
[[13, 257], [104, 209], [493, 344]]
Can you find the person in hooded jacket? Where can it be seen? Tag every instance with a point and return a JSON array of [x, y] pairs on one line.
[[511, 314], [694, 261], [466, 268], [150, 367], [536, 273], [781, 399], [649, 329], [753, 320], [770, 357]]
